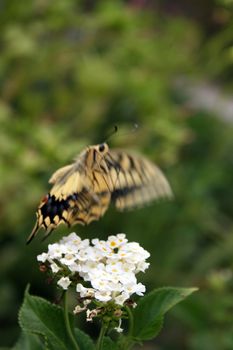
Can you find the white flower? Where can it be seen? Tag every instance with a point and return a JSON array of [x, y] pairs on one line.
[[82, 255], [128, 267], [102, 246], [100, 284], [84, 244], [84, 292], [140, 289], [74, 267], [86, 302], [127, 277], [115, 242], [79, 309], [115, 286], [55, 250], [64, 282], [92, 313], [121, 238], [114, 267], [89, 316], [72, 238], [103, 295], [118, 328], [54, 267], [69, 259], [42, 257], [132, 288], [108, 268], [142, 266], [120, 299], [88, 266]]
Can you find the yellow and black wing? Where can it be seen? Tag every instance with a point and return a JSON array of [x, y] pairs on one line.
[[75, 198], [82, 191], [133, 180]]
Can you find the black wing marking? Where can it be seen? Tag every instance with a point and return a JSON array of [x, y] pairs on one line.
[[136, 181]]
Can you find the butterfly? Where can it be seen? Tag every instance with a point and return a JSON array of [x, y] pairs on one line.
[[82, 191]]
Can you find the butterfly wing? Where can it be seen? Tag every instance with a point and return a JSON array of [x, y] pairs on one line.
[[74, 198], [82, 191], [91, 196], [94, 208], [134, 181], [61, 173]]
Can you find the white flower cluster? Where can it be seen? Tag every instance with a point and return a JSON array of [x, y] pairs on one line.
[[109, 267]]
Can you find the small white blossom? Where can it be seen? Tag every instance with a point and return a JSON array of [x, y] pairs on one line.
[[100, 284], [140, 289], [114, 267], [79, 309], [64, 282], [121, 238], [89, 318], [121, 298], [127, 277], [42, 257], [108, 269], [86, 302], [55, 250], [142, 266], [54, 267], [91, 314], [118, 328], [69, 259], [103, 295], [72, 239], [74, 267], [84, 292]]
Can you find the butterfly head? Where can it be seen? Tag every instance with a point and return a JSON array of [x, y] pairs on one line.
[[95, 154], [102, 148]]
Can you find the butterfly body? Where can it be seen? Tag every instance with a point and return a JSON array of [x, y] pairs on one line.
[[82, 191]]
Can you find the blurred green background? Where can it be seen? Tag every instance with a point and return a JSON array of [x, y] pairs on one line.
[[70, 71]]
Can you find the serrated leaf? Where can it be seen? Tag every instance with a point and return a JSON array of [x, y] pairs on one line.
[[84, 341], [28, 341], [38, 316], [148, 315]]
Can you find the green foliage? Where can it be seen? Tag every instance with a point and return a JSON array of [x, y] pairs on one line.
[[68, 75], [83, 340], [43, 323], [108, 343], [148, 315], [218, 54], [39, 317], [28, 341]]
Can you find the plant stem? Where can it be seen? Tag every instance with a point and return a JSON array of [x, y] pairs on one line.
[[100, 340], [127, 341], [67, 323]]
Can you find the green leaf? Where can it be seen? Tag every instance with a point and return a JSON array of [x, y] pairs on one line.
[[83, 340], [148, 315], [109, 344], [28, 341], [38, 316]]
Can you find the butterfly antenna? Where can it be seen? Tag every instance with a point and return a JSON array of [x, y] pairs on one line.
[[113, 132]]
